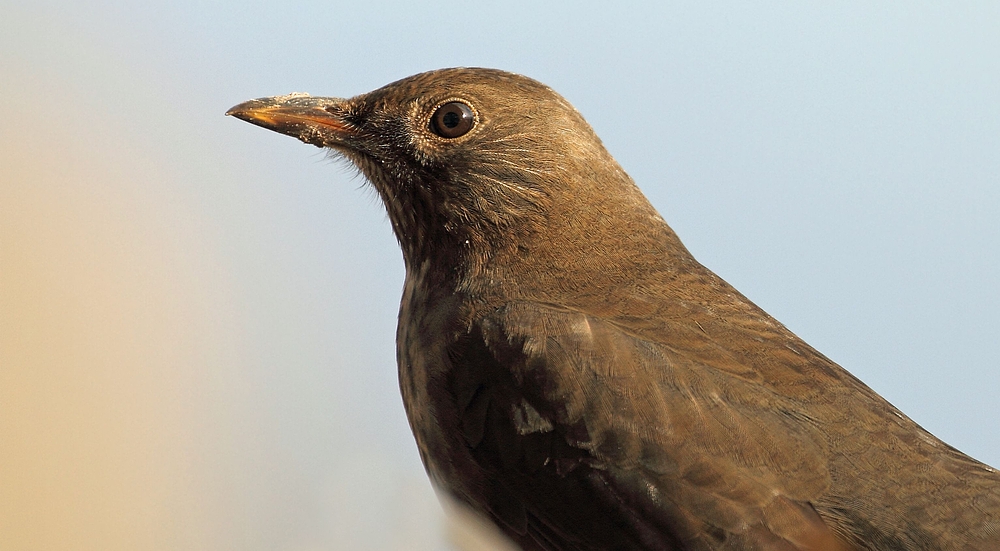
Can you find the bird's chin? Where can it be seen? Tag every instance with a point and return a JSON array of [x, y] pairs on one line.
[[362, 163]]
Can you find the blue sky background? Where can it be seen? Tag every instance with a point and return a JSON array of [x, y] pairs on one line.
[[197, 316]]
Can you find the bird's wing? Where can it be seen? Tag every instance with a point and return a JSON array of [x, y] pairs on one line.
[[595, 438]]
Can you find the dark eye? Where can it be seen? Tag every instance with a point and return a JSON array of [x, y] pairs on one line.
[[452, 120]]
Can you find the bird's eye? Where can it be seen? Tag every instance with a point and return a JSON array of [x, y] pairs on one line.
[[452, 120]]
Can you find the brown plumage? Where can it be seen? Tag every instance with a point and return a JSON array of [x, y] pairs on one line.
[[572, 373]]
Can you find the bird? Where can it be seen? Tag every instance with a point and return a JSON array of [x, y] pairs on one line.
[[572, 374]]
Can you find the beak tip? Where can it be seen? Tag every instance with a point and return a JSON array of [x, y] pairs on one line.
[[241, 110]]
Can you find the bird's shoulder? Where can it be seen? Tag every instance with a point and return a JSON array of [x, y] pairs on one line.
[[555, 401], [708, 421]]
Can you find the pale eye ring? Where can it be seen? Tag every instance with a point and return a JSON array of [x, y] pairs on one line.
[[452, 120]]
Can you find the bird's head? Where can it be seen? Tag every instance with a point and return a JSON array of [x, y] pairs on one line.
[[471, 163]]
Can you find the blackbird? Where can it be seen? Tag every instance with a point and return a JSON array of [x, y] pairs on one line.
[[574, 375]]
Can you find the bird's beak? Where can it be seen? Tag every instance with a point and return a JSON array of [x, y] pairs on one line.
[[314, 120]]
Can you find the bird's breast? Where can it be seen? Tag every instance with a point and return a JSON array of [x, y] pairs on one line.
[[429, 322]]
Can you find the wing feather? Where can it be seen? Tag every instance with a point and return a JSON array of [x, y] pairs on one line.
[[590, 425]]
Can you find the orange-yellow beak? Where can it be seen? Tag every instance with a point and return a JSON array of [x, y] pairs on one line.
[[314, 120]]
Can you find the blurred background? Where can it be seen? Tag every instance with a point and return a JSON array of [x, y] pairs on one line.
[[197, 316]]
